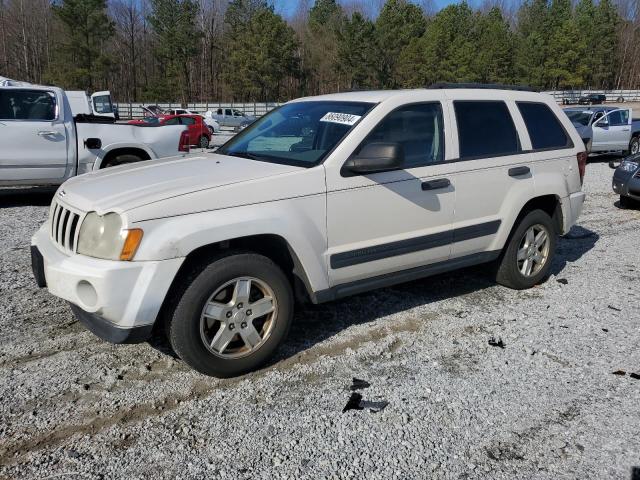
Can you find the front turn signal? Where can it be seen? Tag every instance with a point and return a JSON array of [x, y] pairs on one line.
[[131, 244]]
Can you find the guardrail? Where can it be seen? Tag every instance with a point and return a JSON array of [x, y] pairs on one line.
[[612, 95], [129, 111]]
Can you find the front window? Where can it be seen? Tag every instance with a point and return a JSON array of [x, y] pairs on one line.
[[579, 117], [300, 133]]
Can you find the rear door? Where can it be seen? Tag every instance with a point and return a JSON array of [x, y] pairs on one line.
[[33, 138], [493, 172], [612, 131], [193, 129]]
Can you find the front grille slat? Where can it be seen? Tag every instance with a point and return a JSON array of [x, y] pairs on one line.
[[65, 226]]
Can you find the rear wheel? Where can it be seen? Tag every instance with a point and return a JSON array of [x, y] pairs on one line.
[[121, 160], [233, 316], [634, 146], [203, 142], [526, 259]]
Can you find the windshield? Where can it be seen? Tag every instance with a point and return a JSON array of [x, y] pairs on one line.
[[300, 133], [578, 116]]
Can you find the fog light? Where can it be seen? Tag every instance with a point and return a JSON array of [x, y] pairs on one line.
[[86, 293]]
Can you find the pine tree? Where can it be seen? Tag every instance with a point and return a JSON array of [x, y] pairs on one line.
[[81, 61], [398, 23], [532, 43], [493, 61], [356, 52]]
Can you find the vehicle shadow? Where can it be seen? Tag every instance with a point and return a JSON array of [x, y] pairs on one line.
[[26, 197], [312, 324], [572, 247]]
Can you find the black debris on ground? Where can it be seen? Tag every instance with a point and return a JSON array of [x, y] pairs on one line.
[[374, 407], [620, 372], [635, 376], [614, 308], [359, 384], [496, 342], [563, 281], [353, 403], [605, 330], [356, 402]]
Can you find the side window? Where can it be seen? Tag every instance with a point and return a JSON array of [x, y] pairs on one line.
[[545, 130], [187, 120], [219, 112], [618, 118], [485, 129], [172, 121], [227, 112], [27, 105], [418, 128]]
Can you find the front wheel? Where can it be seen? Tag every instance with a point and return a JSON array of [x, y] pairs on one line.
[[526, 259], [233, 316]]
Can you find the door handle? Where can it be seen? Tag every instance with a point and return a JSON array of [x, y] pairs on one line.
[[436, 184], [626, 129], [518, 171], [46, 133]]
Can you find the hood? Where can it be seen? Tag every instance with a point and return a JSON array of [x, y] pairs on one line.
[[131, 186]]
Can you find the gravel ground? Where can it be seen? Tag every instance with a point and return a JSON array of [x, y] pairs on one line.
[[547, 405]]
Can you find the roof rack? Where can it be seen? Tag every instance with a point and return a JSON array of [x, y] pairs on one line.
[[484, 86]]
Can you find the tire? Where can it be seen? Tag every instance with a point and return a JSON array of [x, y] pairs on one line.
[[122, 160], [627, 202], [620, 99], [232, 355], [203, 142], [634, 146], [509, 271]]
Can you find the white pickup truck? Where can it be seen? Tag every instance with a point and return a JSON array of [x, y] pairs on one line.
[[41, 143], [606, 129], [230, 117]]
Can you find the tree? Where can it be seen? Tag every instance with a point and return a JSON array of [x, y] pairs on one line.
[[605, 52], [532, 44], [398, 23], [357, 53], [493, 60], [176, 47], [81, 59], [262, 56]]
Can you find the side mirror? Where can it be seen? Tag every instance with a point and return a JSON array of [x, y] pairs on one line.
[[374, 158], [602, 124]]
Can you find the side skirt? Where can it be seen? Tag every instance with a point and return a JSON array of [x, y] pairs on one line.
[[381, 281]]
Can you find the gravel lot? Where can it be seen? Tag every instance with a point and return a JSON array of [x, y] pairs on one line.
[[545, 406]]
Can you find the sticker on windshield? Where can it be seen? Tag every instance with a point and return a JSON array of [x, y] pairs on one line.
[[341, 118]]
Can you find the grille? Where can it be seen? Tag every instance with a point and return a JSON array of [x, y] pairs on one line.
[[65, 226]]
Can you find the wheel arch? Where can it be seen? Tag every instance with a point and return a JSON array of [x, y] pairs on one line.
[[115, 152]]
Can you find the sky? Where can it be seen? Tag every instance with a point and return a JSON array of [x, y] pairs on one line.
[[287, 7]]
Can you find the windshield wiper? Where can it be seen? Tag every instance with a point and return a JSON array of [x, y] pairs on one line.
[[248, 155]]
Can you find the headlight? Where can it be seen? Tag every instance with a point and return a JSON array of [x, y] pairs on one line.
[[102, 236], [628, 166]]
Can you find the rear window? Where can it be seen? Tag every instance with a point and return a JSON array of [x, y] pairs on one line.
[[545, 130], [485, 129]]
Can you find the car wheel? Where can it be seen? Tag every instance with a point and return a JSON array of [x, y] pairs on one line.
[[121, 160], [203, 142], [634, 146], [233, 316], [526, 259], [620, 100]]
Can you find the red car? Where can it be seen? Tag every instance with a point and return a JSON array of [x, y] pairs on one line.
[[199, 133]]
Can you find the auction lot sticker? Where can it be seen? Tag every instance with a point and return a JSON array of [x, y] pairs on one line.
[[341, 118]]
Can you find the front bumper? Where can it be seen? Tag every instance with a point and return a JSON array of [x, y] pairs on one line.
[[626, 184], [107, 294]]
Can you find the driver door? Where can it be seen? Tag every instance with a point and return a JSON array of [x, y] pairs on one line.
[[391, 221], [612, 131]]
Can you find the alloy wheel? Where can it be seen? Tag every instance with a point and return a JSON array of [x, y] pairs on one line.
[[533, 250]]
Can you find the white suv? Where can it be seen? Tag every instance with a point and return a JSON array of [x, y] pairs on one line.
[[322, 198]]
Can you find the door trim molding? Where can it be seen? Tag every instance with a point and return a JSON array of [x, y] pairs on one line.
[[411, 245], [407, 275]]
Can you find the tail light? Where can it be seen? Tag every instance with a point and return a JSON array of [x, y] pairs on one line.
[[183, 145], [582, 165]]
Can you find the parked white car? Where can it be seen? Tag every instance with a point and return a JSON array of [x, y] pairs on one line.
[[43, 144], [606, 129], [214, 126], [322, 198]]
